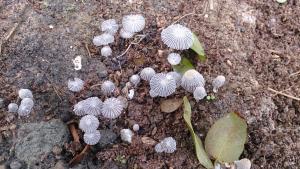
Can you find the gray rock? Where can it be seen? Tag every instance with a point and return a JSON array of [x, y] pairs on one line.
[[15, 165], [107, 137], [37, 139]]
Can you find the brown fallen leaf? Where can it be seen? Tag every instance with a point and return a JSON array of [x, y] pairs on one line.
[[170, 105], [148, 141]]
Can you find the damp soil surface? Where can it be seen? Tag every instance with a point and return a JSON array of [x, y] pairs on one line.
[[254, 44]]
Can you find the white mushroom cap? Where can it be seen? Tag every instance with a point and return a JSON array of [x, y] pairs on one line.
[[106, 51], [152, 93], [133, 23], [126, 35], [107, 87], [110, 26], [192, 79], [158, 148], [177, 37], [218, 82], [147, 73], [25, 93], [199, 93], [177, 76], [103, 39], [168, 145], [112, 108], [136, 127], [24, 110], [75, 85], [28, 102], [80, 108], [92, 138], [174, 58], [93, 106], [13, 108], [126, 135], [135, 79], [162, 84], [88, 123]]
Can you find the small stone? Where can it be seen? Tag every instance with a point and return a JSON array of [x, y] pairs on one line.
[[59, 165], [15, 165], [243, 164], [56, 150]]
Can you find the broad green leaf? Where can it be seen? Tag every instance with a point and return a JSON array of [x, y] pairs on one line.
[[197, 47], [200, 152], [226, 138], [183, 66]]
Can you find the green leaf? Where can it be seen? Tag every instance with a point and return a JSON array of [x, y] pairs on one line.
[[226, 138], [183, 66], [200, 152], [197, 47]]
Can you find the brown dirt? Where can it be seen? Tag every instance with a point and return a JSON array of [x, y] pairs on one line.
[[255, 44]]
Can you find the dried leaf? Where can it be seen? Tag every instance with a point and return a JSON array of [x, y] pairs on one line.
[[200, 152], [183, 66], [170, 105], [148, 141], [226, 138], [197, 47]]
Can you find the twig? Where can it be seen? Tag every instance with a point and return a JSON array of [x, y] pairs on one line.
[[294, 74], [132, 43], [79, 156], [74, 132], [189, 14], [54, 88], [283, 94], [95, 85], [87, 48]]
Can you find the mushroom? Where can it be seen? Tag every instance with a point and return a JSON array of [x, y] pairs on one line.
[[28, 102], [133, 23], [177, 37], [174, 58], [24, 110], [25, 93], [162, 85], [136, 127], [192, 79], [75, 85], [89, 123], [103, 39], [79, 108], [93, 106], [125, 34], [112, 108], [147, 73], [13, 108], [135, 79], [110, 26], [106, 51], [107, 87], [177, 76], [92, 138], [218, 82], [167, 145], [126, 135], [199, 93]]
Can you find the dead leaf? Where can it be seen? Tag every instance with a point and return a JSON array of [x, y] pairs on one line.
[[170, 105], [148, 141]]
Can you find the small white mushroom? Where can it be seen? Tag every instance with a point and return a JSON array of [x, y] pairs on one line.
[[80, 108], [107, 87], [176, 76], [103, 39], [126, 135], [135, 79], [167, 145], [199, 93], [28, 102], [93, 106], [174, 58], [152, 93], [112, 108], [13, 108], [106, 51], [75, 85], [88, 123], [192, 79], [24, 110], [177, 37], [131, 94], [243, 164], [25, 93], [158, 148], [162, 84], [110, 26], [136, 127], [92, 138], [218, 82], [133, 23], [147, 73], [126, 35]]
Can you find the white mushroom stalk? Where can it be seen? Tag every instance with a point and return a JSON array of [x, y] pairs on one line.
[[103, 39], [192, 79], [167, 145], [174, 58], [88, 123], [162, 85], [218, 82], [126, 35], [177, 37], [106, 51], [199, 93], [147, 73], [107, 87], [112, 108], [25, 93], [75, 85], [110, 26], [92, 138], [133, 23]]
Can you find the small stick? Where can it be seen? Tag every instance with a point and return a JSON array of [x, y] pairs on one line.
[[74, 132], [132, 43], [283, 94], [95, 85], [293, 74], [189, 14], [79, 156], [87, 48]]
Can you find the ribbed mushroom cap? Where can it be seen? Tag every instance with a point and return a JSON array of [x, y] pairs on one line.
[[152, 93], [112, 108], [133, 23], [162, 84], [103, 39], [13, 108], [106, 51], [192, 79], [199, 93], [158, 148], [177, 76], [147, 73], [107, 87], [28, 102], [24, 110], [174, 58], [75, 85], [92, 138], [93, 106], [168, 145], [135, 79], [89, 123], [25, 93], [80, 108], [218, 82], [110, 26], [177, 37], [126, 35]]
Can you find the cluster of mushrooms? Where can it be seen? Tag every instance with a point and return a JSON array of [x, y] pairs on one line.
[[26, 104]]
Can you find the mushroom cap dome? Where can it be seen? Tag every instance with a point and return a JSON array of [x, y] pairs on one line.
[[103, 39], [199, 93], [162, 85], [177, 76], [135, 79], [125, 34], [174, 58], [110, 26], [218, 82], [13, 108], [88, 123], [75, 85], [93, 106], [147, 73], [107, 87], [112, 108], [133, 23], [106, 51], [192, 79], [25, 93], [92, 138]]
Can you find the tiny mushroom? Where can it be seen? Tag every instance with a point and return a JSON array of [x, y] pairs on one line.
[[174, 58], [88, 123], [199, 93], [93, 106], [162, 84], [92, 138], [218, 82], [110, 26], [126, 135], [167, 145], [135, 79], [103, 39], [106, 51], [24, 110], [107, 87], [13, 108], [136, 127], [126, 35], [147, 73], [25, 93], [192, 79], [79, 108], [75, 85], [177, 76], [112, 108], [133, 23]]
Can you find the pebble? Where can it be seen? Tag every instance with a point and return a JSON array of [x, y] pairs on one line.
[[15, 165], [56, 150], [59, 165]]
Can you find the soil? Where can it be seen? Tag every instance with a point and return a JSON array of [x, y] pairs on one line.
[[254, 44]]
